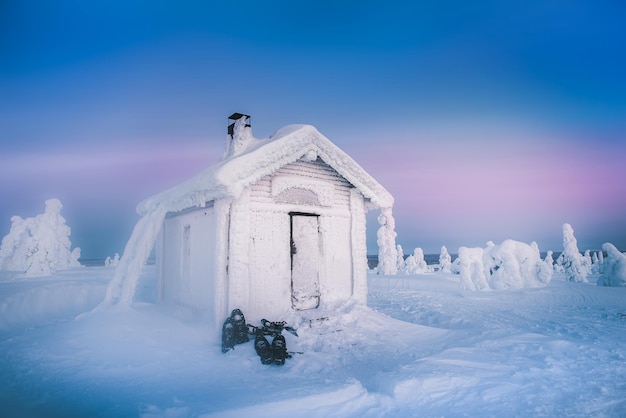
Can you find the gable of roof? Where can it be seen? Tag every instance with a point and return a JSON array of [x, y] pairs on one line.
[[230, 177]]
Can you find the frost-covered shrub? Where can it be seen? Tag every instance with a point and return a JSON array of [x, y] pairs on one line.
[[39, 246], [573, 263], [614, 267], [387, 253], [445, 260], [415, 263]]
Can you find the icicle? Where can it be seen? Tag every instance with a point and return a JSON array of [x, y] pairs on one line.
[[122, 287]]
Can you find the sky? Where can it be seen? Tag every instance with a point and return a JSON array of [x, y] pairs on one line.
[[486, 120]]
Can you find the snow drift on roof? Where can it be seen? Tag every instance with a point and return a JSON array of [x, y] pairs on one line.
[[263, 157]]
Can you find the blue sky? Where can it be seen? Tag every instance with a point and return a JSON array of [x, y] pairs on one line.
[[486, 120]]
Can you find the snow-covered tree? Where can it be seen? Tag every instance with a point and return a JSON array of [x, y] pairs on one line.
[[510, 265], [387, 253], [549, 260], [535, 247], [112, 261], [445, 260], [587, 262], [39, 246], [399, 257], [601, 261], [516, 265], [573, 262], [415, 263], [17, 241], [614, 267], [595, 263], [471, 269]]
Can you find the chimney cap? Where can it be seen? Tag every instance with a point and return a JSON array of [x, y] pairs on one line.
[[237, 116]]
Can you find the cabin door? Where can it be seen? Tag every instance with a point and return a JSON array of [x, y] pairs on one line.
[[305, 258]]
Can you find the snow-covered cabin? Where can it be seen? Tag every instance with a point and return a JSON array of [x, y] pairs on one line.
[[278, 224]]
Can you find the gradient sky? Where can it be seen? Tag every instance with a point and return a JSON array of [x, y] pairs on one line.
[[486, 120]]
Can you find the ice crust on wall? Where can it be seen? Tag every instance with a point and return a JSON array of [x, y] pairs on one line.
[[359, 243], [39, 246], [510, 265]]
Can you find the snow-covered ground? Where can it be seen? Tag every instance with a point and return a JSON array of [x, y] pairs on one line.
[[424, 347]]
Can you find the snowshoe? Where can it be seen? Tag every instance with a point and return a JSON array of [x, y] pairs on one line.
[[279, 350], [239, 323], [228, 335], [263, 349], [277, 327]]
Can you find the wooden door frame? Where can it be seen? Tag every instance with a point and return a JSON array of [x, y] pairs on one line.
[[292, 244]]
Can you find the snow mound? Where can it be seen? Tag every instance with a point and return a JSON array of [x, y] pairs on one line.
[[510, 265], [614, 267], [350, 400]]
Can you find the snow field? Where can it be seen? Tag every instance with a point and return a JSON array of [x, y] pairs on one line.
[[423, 348], [550, 351]]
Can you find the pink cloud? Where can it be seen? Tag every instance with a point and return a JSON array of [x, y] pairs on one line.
[[494, 186]]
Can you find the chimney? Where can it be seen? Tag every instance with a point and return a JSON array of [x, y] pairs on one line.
[[239, 134]]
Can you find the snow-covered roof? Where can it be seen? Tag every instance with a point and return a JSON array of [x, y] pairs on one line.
[[262, 157]]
